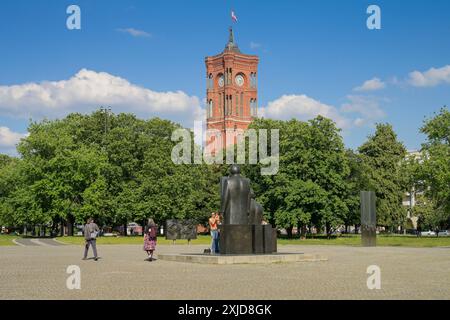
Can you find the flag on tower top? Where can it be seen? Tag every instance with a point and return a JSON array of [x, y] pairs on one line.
[[233, 16]]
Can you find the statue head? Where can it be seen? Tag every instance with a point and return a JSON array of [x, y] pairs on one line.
[[234, 169]]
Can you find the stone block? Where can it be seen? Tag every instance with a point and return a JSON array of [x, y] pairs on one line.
[[236, 239]]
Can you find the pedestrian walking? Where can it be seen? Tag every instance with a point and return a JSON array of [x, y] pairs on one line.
[[150, 238], [91, 231]]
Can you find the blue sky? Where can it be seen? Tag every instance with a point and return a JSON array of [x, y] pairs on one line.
[[147, 57]]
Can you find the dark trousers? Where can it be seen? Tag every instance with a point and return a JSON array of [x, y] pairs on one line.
[[92, 243]]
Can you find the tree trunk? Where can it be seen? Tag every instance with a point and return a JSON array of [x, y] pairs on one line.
[[70, 227], [303, 232], [61, 232], [328, 230], [289, 232], [125, 228]]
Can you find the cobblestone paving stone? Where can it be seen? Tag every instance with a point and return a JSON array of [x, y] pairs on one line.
[[39, 272]]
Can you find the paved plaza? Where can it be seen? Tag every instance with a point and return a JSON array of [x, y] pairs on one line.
[[38, 271]]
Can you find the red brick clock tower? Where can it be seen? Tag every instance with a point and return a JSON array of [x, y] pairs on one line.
[[232, 101]]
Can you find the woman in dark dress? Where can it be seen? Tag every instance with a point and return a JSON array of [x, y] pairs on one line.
[[150, 234]]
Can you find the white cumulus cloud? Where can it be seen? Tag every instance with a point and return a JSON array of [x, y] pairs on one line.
[[367, 108], [371, 85], [9, 138], [88, 90], [356, 112], [303, 108], [135, 32], [430, 78], [255, 45]]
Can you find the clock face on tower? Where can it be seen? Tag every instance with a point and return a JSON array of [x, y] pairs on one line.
[[239, 80], [221, 81]]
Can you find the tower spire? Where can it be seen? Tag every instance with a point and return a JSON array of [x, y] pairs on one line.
[[231, 38], [231, 45]]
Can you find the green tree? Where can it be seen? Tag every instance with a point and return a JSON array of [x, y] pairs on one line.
[[357, 181], [9, 181], [310, 186], [383, 155], [115, 168], [436, 164]]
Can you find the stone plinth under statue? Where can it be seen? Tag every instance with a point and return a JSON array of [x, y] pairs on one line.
[[247, 239], [242, 259], [242, 231]]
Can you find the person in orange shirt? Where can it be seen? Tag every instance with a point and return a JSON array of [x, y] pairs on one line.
[[213, 227]]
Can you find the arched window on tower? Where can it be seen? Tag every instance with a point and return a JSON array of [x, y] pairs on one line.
[[242, 104], [220, 104], [227, 104], [225, 101], [230, 109], [210, 108], [253, 80], [253, 108], [223, 105]]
